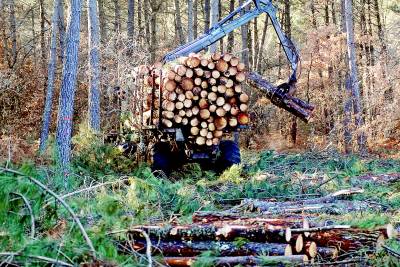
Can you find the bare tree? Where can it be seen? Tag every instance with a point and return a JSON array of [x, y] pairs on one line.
[[214, 19], [13, 34], [231, 36], [206, 15], [195, 18], [131, 18], [261, 46], [353, 75], [347, 101], [42, 32], [117, 16], [68, 84], [103, 22], [155, 8], [190, 20], [61, 29], [178, 20], [94, 76], [245, 48], [51, 71]]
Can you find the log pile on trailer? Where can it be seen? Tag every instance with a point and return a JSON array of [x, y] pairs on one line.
[[201, 94]]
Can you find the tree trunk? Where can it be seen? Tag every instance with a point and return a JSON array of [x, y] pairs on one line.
[[347, 134], [206, 15], [103, 22], [13, 34], [190, 21], [255, 43], [146, 9], [155, 8], [179, 29], [381, 33], [195, 18], [261, 46], [231, 36], [117, 16], [33, 35], [68, 84], [353, 73], [94, 68], [51, 70], [245, 48], [214, 20], [42, 33], [221, 41], [61, 30], [326, 11], [131, 19]]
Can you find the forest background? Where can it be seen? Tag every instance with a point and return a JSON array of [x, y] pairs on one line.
[[142, 31]]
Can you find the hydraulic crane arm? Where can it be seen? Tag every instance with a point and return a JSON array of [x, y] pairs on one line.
[[234, 20]]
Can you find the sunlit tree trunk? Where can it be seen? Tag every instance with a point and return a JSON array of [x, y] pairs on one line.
[[94, 71], [68, 84], [51, 70]]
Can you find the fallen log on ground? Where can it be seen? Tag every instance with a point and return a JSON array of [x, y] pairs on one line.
[[263, 233], [240, 260], [260, 205], [348, 239], [383, 179], [195, 248]]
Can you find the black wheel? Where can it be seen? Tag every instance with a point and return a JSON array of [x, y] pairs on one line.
[[162, 158], [229, 154]]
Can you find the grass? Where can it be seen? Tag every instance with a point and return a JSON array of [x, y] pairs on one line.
[[149, 198]]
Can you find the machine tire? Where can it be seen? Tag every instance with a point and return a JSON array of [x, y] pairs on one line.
[[162, 158], [229, 154]]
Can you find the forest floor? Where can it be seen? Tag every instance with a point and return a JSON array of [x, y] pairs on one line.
[[109, 200]]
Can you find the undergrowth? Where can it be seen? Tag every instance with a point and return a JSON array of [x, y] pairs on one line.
[[139, 196]]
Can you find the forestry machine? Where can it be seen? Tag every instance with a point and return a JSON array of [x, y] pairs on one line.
[[170, 149]]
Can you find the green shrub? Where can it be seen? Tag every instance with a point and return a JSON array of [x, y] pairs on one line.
[[91, 154]]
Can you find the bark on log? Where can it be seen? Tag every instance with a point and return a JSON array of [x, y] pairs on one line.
[[279, 98], [195, 248], [240, 260], [274, 234], [347, 239]]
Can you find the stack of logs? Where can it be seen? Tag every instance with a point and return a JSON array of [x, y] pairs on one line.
[[203, 95], [287, 238], [241, 240]]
